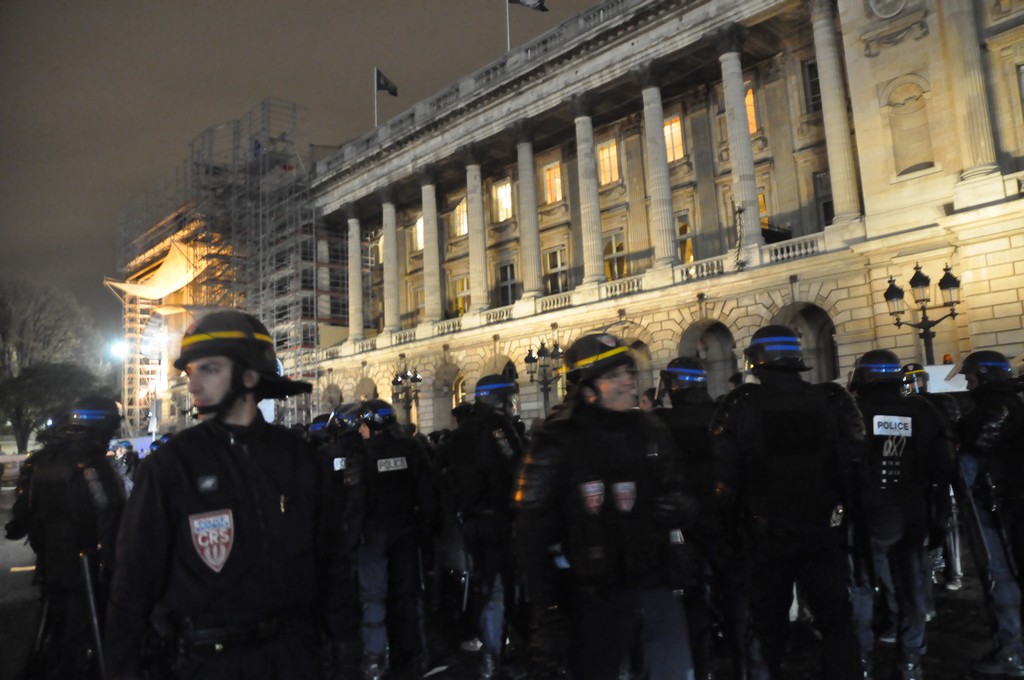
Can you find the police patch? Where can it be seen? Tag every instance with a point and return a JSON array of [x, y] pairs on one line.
[[593, 496], [887, 426], [339, 464], [625, 495], [391, 464], [213, 534]]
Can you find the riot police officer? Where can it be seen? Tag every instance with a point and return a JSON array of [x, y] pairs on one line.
[[475, 470], [69, 504], [784, 457], [991, 439], [603, 486], [908, 464], [684, 381], [391, 510], [224, 543], [947, 558]]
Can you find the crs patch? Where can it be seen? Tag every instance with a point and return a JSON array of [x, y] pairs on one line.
[[339, 464], [625, 495], [213, 535], [593, 496]]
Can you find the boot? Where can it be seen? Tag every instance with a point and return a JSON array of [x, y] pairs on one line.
[[372, 668], [488, 666], [1002, 661], [867, 668], [911, 670]]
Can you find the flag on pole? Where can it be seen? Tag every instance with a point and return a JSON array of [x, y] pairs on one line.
[[384, 84], [532, 4]]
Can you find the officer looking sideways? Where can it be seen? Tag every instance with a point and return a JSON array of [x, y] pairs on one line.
[[218, 573], [604, 481], [785, 452]]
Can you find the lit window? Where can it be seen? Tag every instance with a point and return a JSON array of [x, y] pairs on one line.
[[552, 174], [674, 138], [460, 291], [762, 207], [684, 237], [458, 391], [459, 225], [556, 271], [748, 99], [608, 162], [502, 195], [507, 284], [614, 256], [417, 235], [812, 86]]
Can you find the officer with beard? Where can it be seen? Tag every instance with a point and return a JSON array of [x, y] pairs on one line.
[[475, 470], [390, 499], [224, 547], [904, 486], [784, 468], [991, 439], [603, 486], [69, 502], [685, 381]]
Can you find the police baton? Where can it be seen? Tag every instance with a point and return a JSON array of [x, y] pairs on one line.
[[93, 618]]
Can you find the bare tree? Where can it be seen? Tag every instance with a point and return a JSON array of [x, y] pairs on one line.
[[44, 334]]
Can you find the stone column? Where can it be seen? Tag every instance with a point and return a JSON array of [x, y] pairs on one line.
[[355, 281], [662, 224], [709, 239], [590, 199], [841, 166], [974, 119], [741, 154], [389, 240], [477, 238], [432, 300], [529, 229]]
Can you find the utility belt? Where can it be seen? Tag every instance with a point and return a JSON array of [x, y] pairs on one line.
[[188, 640]]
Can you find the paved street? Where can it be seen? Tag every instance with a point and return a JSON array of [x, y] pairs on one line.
[[958, 633]]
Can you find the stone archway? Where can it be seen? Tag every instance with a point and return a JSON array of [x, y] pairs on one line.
[[817, 334], [713, 343]]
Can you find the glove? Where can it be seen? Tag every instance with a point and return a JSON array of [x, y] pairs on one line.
[[14, 531]]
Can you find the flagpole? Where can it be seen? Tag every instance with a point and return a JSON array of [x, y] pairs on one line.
[[374, 96], [508, 30]]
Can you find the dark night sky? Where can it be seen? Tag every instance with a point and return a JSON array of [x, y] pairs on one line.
[[99, 99]]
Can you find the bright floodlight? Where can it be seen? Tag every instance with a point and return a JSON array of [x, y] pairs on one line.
[[119, 349]]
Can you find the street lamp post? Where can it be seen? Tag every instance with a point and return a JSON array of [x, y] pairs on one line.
[[921, 285], [404, 388], [543, 369]]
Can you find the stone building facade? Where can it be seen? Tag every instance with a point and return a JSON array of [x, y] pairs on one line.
[[681, 173]]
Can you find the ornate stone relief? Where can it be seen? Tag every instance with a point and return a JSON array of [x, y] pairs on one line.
[[897, 26]]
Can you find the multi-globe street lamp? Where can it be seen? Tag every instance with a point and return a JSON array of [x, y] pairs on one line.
[[921, 288], [405, 388], [543, 368]]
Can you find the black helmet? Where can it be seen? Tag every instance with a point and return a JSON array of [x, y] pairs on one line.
[[915, 378], [684, 373], [498, 392], [988, 365], [244, 339], [879, 366], [93, 416], [125, 444], [591, 356], [344, 418], [376, 414], [776, 346], [318, 431]]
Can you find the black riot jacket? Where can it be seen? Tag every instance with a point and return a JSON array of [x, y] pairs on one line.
[[908, 462], [607, 486], [786, 450], [221, 531], [993, 431]]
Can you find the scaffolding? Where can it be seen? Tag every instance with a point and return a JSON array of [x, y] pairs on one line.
[[239, 210]]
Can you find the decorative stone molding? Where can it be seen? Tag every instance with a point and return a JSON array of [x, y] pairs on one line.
[[913, 25]]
